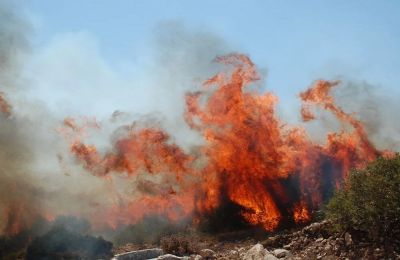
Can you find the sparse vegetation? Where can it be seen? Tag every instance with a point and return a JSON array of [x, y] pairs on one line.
[[179, 244], [61, 243], [14, 246], [149, 230], [369, 202]]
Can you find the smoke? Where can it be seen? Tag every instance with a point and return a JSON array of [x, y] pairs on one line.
[[183, 60], [69, 75], [13, 43], [372, 104], [16, 187], [38, 177], [375, 107], [31, 181]]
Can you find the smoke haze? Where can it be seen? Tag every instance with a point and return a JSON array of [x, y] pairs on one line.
[[68, 76]]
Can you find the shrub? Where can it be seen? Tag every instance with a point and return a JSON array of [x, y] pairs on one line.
[[61, 243], [149, 230], [178, 244], [14, 246], [369, 201]]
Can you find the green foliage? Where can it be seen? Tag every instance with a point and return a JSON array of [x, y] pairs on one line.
[[369, 201]]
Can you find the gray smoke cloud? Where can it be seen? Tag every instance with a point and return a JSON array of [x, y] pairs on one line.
[[375, 107], [13, 43], [372, 104], [37, 174], [31, 182], [16, 154]]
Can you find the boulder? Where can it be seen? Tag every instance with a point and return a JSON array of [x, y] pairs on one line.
[[281, 253], [171, 257], [269, 256], [257, 252], [140, 254]]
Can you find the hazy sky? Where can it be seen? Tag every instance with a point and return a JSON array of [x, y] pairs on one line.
[[296, 42]]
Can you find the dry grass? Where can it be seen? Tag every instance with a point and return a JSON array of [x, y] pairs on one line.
[[179, 244]]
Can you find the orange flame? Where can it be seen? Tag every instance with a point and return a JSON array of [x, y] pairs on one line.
[[274, 172], [5, 107], [300, 213]]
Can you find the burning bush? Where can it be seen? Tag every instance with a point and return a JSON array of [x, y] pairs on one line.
[[370, 201], [272, 173]]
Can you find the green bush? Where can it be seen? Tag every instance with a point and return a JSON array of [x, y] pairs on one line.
[[369, 201]]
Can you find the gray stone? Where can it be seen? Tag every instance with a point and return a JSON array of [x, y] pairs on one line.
[[281, 253], [257, 252], [171, 257], [347, 239], [140, 254], [269, 256]]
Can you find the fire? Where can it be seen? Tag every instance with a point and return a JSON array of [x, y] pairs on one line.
[[272, 171], [13, 215], [18, 216], [5, 107], [301, 214]]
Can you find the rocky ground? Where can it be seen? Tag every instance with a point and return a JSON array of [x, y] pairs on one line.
[[315, 241]]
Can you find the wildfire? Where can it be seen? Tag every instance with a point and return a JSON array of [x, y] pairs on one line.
[[273, 172], [300, 213], [5, 107]]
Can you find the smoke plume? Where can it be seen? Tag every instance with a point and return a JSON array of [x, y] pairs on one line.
[[183, 136]]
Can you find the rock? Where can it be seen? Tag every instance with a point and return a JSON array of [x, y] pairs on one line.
[[196, 257], [257, 252], [140, 254], [171, 257], [269, 256], [281, 253], [347, 239], [241, 250], [271, 241], [276, 241], [316, 229], [207, 254]]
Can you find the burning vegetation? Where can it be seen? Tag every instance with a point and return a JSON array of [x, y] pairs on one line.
[[249, 171], [266, 172]]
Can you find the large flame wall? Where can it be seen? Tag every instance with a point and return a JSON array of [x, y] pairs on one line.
[[274, 172]]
